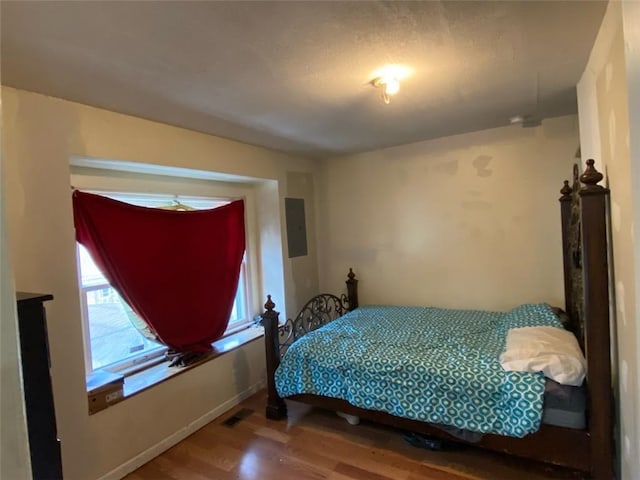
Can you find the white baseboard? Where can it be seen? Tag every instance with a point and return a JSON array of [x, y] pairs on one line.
[[152, 452]]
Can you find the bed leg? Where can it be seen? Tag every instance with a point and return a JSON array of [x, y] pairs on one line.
[[276, 408]]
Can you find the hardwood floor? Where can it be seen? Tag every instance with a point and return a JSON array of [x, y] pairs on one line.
[[318, 445]]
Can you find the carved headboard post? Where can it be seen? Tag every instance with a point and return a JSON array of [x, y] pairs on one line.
[[593, 199], [352, 290], [565, 213], [276, 408]]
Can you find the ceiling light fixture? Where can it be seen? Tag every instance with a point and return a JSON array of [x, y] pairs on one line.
[[389, 86], [388, 79]]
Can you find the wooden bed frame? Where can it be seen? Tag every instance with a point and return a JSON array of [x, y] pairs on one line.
[[584, 242]]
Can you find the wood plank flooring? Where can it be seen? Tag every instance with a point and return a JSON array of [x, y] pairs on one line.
[[318, 445]]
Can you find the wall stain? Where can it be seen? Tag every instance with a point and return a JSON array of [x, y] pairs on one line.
[[475, 193], [481, 163]]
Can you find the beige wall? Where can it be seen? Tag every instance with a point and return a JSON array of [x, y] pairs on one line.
[[14, 453], [611, 86], [631, 22], [40, 136], [603, 100], [465, 221]]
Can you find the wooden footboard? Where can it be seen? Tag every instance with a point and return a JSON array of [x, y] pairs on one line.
[[317, 312]]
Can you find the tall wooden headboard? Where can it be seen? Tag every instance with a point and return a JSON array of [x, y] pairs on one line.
[[572, 255], [584, 209]]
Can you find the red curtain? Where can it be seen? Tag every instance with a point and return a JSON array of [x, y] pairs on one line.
[[178, 270]]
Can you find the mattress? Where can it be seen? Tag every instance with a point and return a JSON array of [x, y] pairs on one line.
[[564, 405], [434, 365]]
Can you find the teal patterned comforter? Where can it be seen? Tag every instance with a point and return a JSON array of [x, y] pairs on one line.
[[428, 364]]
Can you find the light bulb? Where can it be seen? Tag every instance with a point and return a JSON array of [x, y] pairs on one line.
[[391, 86]]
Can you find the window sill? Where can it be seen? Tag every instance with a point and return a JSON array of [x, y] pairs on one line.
[[158, 372]]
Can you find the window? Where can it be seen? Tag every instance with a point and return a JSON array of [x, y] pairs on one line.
[[111, 337]]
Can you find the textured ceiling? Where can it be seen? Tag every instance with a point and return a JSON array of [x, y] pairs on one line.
[[294, 76]]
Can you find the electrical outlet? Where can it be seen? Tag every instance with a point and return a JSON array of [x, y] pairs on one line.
[[113, 396]]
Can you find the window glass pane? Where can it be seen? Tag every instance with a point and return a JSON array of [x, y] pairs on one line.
[[158, 201], [113, 337], [239, 311], [89, 272]]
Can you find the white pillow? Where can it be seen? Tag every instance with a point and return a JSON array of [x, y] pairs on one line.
[[551, 350]]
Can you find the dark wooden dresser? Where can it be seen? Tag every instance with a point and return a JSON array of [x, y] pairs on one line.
[[44, 445]]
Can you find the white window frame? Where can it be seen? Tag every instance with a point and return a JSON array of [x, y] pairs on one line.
[[124, 364], [149, 358]]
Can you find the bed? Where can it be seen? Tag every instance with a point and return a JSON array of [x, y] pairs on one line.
[[574, 427]]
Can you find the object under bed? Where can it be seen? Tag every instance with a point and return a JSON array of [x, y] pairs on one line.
[[434, 365]]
